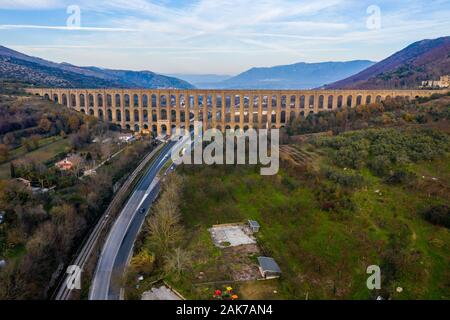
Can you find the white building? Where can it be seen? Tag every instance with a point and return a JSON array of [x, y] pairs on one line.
[[443, 82]]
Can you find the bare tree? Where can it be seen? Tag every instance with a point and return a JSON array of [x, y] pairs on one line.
[[177, 261]]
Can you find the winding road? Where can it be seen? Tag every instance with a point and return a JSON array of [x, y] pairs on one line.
[[118, 247]]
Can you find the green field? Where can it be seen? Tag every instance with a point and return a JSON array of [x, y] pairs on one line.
[[50, 148], [323, 254]]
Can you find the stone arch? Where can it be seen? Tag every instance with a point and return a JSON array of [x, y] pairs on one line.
[[311, 101], [368, 99], [292, 115], [82, 100], [145, 115], [64, 101], [330, 102], [100, 100], [145, 126], [126, 100], [292, 101], [91, 100], [302, 102], [163, 101], [127, 126], [82, 111], [246, 116], [273, 117], [340, 101], [46, 96], [108, 101], [349, 101], [359, 100], [164, 129], [145, 101], [163, 114], [91, 111], [118, 101], [274, 101], [321, 101], [283, 102], [73, 100]]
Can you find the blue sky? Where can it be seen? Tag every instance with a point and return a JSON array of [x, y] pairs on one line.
[[217, 36]]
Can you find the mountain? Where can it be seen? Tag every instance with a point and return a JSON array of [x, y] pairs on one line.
[[16, 66], [422, 60], [295, 76], [202, 81]]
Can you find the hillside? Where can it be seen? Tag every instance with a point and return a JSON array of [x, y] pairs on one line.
[[422, 60], [15, 66], [295, 76]]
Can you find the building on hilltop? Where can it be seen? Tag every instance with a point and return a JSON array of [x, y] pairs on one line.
[[443, 82]]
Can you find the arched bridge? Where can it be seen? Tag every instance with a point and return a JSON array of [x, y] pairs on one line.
[[161, 110]]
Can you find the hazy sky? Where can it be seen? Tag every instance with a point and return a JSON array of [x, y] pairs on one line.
[[217, 36]]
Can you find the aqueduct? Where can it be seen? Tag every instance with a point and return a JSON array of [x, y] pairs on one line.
[[159, 110]]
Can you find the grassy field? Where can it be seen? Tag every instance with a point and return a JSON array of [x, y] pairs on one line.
[[323, 254]]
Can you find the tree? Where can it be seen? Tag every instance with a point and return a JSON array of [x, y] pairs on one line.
[[177, 261], [4, 153], [74, 123], [35, 141], [164, 224], [143, 262], [45, 125]]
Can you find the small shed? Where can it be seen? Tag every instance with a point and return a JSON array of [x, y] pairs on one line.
[[254, 225], [269, 268]]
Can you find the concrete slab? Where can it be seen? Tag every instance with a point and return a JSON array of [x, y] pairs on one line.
[[161, 293], [231, 236]]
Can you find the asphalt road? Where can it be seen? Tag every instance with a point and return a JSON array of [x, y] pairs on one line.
[[119, 243]]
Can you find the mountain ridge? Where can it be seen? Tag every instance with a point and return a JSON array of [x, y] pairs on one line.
[[36, 71], [422, 60], [301, 75]]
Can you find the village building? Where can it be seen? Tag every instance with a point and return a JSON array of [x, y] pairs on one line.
[[443, 82], [64, 165], [269, 268]]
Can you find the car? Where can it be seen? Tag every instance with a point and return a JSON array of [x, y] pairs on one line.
[[142, 210]]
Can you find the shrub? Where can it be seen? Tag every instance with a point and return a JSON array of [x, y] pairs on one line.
[[438, 215]]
